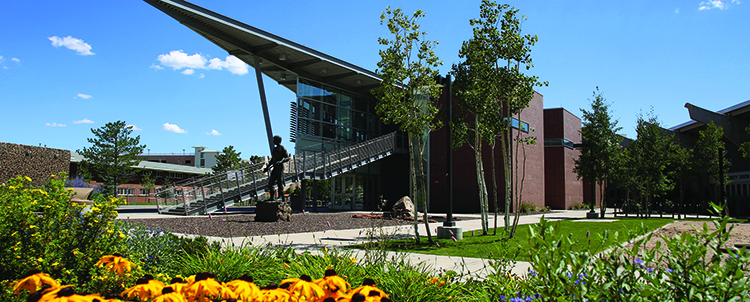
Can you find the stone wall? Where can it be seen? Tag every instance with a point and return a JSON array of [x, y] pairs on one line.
[[38, 163]]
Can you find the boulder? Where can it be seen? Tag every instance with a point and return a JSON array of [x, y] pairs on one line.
[[404, 207], [272, 211]]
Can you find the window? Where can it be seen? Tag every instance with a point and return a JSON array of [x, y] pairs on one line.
[[125, 191], [203, 161], [143, 192], [174, 175], [550, 142], [159, 174], [187, 161]]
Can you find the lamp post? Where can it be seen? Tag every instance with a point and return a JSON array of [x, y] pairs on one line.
[[449, 229]]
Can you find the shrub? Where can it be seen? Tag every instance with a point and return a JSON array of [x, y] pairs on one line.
[[578, 206], [41, 229]]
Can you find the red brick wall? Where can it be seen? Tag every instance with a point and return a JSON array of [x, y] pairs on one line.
[[465, 187], [562, 186]]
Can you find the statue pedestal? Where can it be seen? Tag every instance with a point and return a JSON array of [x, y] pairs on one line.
[[445, 232], [272, 211], [592, 215]]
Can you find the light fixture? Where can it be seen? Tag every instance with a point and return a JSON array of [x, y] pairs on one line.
[[323, 71], [282, 57], [283, 76], [359, 82]]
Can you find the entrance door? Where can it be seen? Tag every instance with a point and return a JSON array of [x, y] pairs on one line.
[[347, 192]]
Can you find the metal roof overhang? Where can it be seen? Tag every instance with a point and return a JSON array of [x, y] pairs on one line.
[[280, 59]]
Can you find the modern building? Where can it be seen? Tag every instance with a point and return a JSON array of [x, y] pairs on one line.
[[734, 120], [334, 109]]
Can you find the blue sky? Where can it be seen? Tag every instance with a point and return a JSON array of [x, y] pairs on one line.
[[69, 66]]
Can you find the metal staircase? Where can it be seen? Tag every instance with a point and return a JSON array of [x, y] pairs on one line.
[[211, 193]]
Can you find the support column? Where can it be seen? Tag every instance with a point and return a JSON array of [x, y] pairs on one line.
[[262, 91]]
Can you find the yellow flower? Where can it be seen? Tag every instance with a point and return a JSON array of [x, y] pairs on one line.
[[244, 288], [33, 281], [27, 178], [40, 260], [205, 287], [121, 235], [110, 231], [169, 294], [303, 289], [115, 263], [272, 293], [32, 226], [95, 209], [145, 289], [369, 290], [14, 233], [333, 285], [63, 294], [353, 260]]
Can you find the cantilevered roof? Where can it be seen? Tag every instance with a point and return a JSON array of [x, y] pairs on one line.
[[734, 110], [147, 165], [280, 59]]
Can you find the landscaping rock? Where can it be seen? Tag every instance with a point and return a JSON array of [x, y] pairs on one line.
[[404, 208]]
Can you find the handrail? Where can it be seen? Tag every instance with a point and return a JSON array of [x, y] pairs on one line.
[[196, 193]]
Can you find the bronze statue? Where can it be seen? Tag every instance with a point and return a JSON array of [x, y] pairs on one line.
[[278, 157]]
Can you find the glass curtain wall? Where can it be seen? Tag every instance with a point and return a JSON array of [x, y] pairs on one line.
[[330, 118]]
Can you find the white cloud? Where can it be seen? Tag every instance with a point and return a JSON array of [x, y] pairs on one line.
[[15, 60], [677, 10], [157, 67], [83, 96], [173, 128], [83, 121], [72, 43], [232, 63], [133, 127], [201, 76], [53, 124], [711, 4], [213, 132], [178, 59]]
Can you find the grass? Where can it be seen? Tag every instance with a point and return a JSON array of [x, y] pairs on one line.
[[498, 247]]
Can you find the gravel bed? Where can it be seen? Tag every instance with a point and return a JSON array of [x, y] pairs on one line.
[[244, 225]]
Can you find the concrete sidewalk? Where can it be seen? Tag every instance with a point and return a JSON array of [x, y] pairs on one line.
[[315, 241]]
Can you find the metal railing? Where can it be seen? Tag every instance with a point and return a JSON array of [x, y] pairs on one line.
[[221, 189]]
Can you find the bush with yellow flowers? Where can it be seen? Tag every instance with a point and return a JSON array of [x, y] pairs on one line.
[[40, 228]]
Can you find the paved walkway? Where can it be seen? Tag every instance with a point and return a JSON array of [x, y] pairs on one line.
[[315, 241]]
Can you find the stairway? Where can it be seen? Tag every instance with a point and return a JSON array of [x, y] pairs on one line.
[[211, 193]]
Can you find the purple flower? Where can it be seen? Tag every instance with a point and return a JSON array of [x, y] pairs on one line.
[[588, 234], [472, 233], [303, 212], [669, 270], [451, 233], [638, 261], [438, 243], [454, 239], [209, 216], [328, 223], [533, 273]]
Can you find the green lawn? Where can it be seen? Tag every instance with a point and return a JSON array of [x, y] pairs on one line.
[[497, 247]]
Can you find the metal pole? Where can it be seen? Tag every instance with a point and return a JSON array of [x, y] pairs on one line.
[[184, 201], [203, 193], [221, 191], [722, 196], [255, 183], [264, 105], [239, 189], [449, 101], [158, 209]]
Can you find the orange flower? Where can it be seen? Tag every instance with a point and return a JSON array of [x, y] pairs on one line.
[[272, 293], [371, 293], [206, 288], [145, 288], [303, 289], [168, 294], [244, 288], [33, 281], [333, 285], [115, 263]]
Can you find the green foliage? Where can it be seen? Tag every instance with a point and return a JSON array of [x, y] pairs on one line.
[[41, 229], [578, 206], [601, 153], [228, 159], [407, 68], [707, 151], [112, 154], [491, 87], [649, 157]]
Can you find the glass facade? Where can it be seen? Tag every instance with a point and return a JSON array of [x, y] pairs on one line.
[[329, 118]]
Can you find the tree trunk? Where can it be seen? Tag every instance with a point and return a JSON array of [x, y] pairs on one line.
[[494, 186], [602, 198], [480, 178], [413, 191], [424, 191]]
